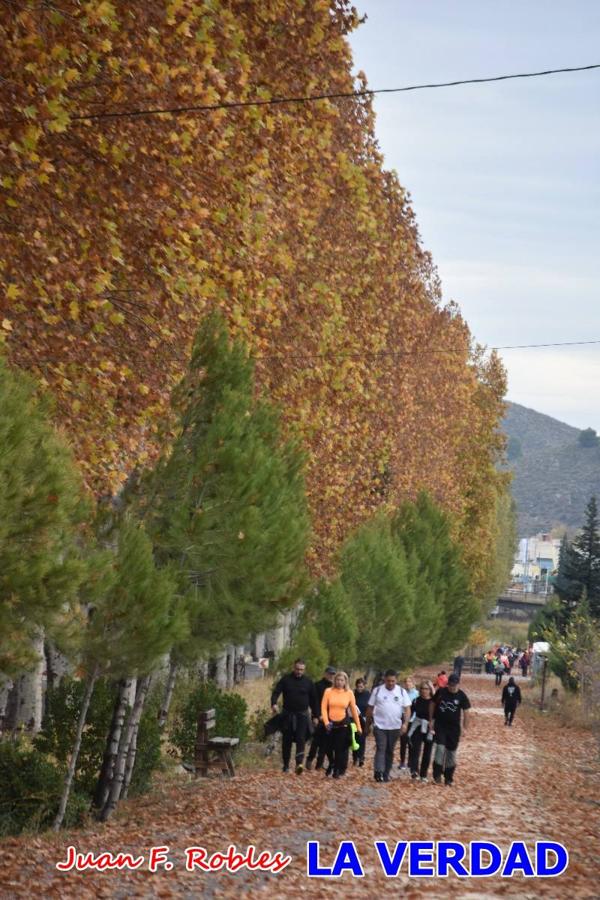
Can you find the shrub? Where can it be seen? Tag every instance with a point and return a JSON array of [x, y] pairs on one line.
[[31, 788], [58, 733], [231, 710]]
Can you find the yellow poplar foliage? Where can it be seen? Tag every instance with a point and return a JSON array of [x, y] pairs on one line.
[[118, 234]]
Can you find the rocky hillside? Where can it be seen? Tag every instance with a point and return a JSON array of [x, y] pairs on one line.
[[553, 475]]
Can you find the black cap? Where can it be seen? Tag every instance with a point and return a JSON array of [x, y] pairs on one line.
[[453, 679], [330, 670]]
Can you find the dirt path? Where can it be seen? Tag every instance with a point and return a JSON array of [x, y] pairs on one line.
[[532, 782]]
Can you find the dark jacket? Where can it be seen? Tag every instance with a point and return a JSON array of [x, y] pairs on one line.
[[298, 694], [320, 687], [511, 698], [362, 701]]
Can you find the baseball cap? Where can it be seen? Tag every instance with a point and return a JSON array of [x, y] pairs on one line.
[[453, 679], [330, 670]]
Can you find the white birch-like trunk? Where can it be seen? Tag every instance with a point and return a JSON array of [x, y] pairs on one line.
[[169, 688], [118, 778], [230, 666], [221, 670], [89, 690], [112, 743], [136, 715], [31, 687]]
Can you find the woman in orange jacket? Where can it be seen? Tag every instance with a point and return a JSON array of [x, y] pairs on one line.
[[336, 702]]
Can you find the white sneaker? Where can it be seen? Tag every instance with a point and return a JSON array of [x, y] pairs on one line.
[[424, 780]]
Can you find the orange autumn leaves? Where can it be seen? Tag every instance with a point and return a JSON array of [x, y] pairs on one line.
[[118, 235]]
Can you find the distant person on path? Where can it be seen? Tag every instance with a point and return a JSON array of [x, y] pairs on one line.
[[442, 679], [389, 709], [458, 664], [511, 698], [450, 704], [489, 662], [299, 701], [319, 743], [409, 687], [421, 732], [361, 696], [524, 664], [498, 670], [336, 702]]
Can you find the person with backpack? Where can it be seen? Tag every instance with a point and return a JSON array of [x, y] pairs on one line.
[[420, 732], [299, 701], [319, 743], [389, 710], [336, 702], [361, 696], [511, 698], [450, 705], [498, 670]]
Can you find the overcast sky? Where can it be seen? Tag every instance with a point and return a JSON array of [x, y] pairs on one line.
[[504, 177]]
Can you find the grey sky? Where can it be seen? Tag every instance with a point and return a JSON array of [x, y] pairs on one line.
[[504, 177]]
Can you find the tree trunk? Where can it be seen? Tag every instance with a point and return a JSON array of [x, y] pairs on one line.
[[221, 670], [5, 688], [112, 743], [230, 666], [118, 779], [89, 690], [31, 690], [137, 717], [169, 688]]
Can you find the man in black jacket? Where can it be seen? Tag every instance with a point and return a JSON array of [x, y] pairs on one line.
[[318, 746], [299, 701]]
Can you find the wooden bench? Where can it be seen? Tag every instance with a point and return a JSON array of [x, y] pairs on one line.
[[212, 751]]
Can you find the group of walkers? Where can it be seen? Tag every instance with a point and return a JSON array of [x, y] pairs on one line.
[[500, 662], [426, 720]]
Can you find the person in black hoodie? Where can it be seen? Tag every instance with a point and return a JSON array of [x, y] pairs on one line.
[[361, 695], [450, 705], [299, 701], [319, 743], [511, 697]]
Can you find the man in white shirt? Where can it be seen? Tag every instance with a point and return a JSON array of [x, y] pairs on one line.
[[389, 710]]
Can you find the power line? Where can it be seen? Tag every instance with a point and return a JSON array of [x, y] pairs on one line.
[[375, 354], [311, 98]]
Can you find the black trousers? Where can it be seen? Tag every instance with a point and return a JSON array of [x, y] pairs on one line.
[[509, 711], [359, 755], [418, 741], [296, 731], [339, 745], [318, 746], [499, 674]]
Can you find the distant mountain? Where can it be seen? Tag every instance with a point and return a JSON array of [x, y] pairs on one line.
[[554, 476]]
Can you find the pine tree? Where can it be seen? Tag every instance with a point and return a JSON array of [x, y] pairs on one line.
[[375, 575], [582, 566], [41, 510], [133, 618], [227, 507], [330, 610]]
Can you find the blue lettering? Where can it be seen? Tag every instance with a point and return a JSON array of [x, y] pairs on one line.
[[347, 858], [313, 869], [391, 865], [517, 860], [421, 853], [450, 856], [478, 869], [542, 867]]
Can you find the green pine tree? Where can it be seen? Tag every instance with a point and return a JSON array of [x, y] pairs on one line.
[[375, 575], [330, 610], [227, 507], [41, 510], [582, 567]]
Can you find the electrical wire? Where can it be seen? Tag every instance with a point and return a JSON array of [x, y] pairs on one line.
[[312, 98]]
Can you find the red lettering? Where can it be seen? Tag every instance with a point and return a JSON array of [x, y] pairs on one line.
[[217, 861], [158, 857], [69, 862], [280, 862], [194, 858]]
